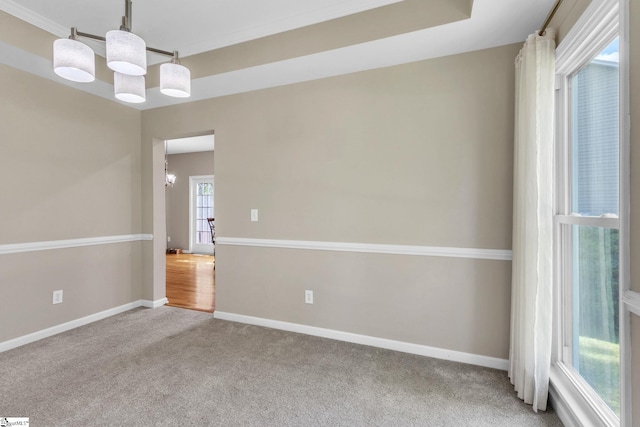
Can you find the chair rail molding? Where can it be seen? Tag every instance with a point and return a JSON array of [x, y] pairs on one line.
[[433, 251], [16, 248]]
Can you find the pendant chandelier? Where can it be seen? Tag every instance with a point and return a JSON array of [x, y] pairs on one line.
[[126, 56]]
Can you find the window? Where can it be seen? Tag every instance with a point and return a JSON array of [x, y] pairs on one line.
[[587, 220], [593, 275], [204, 210], [201, 208], [594, 330], [588, 227]]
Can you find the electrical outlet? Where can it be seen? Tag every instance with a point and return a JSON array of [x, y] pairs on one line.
[[308, 297], [169, 239], [57, 297], [254, 215]]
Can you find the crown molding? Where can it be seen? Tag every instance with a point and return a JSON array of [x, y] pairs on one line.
[[37, 20], [33, 18]]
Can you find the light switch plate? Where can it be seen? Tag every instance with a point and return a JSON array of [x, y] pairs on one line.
[[57, 297], [254, 215]]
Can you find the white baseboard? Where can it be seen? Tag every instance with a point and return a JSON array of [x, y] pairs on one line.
[[54, 330], [405, 347], [154, 304]]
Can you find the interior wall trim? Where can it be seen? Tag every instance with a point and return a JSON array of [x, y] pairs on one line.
[[405, 347], [16, 248], [154, 304], [433, 251], [632, 301], [54, 330], [578, 45]]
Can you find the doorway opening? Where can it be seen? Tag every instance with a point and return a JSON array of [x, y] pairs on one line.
[[189, 203]]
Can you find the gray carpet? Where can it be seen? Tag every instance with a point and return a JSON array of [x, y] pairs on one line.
[[173, 367]]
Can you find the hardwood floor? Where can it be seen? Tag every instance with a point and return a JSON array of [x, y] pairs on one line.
[[191, 281]]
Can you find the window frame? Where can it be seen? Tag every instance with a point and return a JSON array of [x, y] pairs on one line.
[[599, 25], [195, 247]]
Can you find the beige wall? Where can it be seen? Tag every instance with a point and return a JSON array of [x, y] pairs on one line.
[[418, 154], [93, 278], [69, 168], [177, 197], [456, 304]]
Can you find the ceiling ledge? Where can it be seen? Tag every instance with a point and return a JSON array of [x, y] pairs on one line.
[[375, 24]]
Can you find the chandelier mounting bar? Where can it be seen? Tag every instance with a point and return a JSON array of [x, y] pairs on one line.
[[126, 19], [75, 34]]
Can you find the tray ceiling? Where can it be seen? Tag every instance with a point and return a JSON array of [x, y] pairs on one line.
[[234, 46]]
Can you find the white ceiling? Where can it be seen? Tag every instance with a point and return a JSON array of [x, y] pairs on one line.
[[190, 145], [188, 26], [193, 26]]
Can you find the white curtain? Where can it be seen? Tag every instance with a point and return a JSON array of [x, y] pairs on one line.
[[532, 269]]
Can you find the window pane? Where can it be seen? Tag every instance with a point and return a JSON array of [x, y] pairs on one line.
[[596, 310], [594, 133], [204, 234], [203, 210]]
